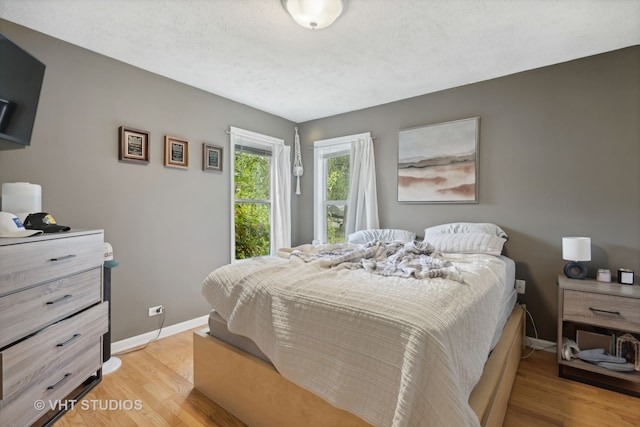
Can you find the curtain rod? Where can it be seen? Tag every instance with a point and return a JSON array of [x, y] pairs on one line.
[[311, 148], [330, 145], [228, 132]]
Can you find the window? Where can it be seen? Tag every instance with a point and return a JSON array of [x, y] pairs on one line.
[[332, 161], [253, 172]]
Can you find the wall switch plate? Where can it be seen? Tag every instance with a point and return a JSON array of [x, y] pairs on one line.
[[520, 286], [154, 311]]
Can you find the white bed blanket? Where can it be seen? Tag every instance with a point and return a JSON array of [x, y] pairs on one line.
[[395, 351]]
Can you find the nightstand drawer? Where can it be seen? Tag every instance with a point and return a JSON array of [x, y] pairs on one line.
[[33, 262], [606, 311], [50, 388], [27, 311], [22, 364]]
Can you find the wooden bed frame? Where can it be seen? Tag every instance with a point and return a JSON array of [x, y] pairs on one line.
[[255, 393]]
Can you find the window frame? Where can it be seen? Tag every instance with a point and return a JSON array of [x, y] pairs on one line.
[[256, 141], [322, 150]]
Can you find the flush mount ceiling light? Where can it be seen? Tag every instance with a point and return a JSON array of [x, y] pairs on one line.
[[314, 14]]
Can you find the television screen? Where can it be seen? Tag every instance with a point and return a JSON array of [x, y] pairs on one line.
[[20, 82]]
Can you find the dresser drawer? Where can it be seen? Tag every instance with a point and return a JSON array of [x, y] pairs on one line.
[[606, 311], [22, 364], [26, 264], [61, 377], [28, 311]]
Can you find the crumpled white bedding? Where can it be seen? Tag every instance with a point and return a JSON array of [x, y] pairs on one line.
[[395, 351], [404, 259]]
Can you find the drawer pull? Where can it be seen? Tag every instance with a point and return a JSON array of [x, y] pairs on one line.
[[69, 341], [62, 258], [59, 299], [59, 383], [597, 310]]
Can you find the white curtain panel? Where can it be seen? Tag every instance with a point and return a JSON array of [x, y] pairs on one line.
[[362, 206], [282, 199]]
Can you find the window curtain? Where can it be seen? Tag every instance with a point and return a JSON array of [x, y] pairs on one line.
[[281, 199], [362, 206]]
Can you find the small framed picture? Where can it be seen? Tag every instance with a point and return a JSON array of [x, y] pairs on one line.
[[176, 152], [134, 145], [211, 157]]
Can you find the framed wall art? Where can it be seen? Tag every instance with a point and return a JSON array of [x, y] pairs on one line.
[[211, 157], [439, 163], [176, 152], [133, 145]]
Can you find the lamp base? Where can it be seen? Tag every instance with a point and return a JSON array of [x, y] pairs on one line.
[[575, 270], [111, 365]]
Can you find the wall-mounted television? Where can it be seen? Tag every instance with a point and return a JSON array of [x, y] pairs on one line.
[[21, 78]]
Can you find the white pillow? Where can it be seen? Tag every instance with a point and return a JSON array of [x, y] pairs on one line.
[[382, 235], [467, 243], [466, 227]]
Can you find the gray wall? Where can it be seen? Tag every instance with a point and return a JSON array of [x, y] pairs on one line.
[[169, 227], [559, 156]]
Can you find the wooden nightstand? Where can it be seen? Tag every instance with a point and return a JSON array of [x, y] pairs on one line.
[[610, 308]]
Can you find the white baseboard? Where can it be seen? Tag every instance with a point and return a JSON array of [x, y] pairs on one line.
[[539, 344], [138, 340]]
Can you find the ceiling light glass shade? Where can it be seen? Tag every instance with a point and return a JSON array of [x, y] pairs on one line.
[[314, 14]]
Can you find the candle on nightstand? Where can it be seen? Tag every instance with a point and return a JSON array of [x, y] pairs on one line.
[[604, 275], [625, 276]]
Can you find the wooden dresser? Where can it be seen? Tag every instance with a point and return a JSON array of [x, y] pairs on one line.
[[52, 318]]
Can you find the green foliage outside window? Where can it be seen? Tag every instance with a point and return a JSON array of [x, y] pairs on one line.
[[252, 229], [252, 212], [337, 190], [251, 176]]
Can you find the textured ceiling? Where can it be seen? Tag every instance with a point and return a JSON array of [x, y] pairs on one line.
[[379, 51]]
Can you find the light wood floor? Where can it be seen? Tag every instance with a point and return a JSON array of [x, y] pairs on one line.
[[160, 378]]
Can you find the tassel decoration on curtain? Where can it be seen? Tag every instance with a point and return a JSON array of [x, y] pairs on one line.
[[297, 161]]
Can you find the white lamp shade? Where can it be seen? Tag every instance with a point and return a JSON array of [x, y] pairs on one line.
[[314, 14], [576, 248]]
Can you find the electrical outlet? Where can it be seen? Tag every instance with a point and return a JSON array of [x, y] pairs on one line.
[[520, 286], [154, 311]]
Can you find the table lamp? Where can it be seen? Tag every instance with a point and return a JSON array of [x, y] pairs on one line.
[[575, 250]]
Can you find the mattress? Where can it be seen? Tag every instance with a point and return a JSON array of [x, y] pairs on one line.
[[218, 325], [509, 298], [218, 328]]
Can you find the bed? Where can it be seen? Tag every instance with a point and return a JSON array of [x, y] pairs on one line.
[[376, 334]]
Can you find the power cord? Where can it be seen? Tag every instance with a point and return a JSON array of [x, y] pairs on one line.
[[142, 347], [535, 331]]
